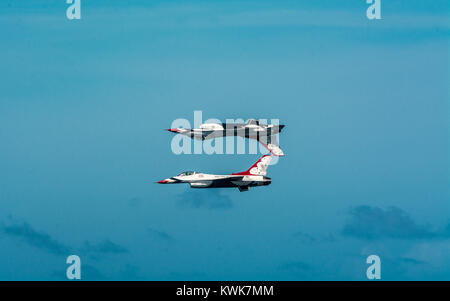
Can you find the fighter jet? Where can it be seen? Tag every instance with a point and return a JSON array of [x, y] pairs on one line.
[[263, 133], [254, 176]]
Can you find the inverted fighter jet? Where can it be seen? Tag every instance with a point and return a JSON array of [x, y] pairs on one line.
[[254, 176], [263, 133]]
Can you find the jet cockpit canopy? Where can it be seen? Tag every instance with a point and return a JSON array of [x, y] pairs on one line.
[[253, 122], [211, 126], [187, 173]]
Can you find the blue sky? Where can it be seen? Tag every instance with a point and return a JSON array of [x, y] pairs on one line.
[[83, 105]]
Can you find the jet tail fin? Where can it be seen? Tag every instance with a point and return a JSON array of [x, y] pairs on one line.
[[259, 168], [274, 149], [270, 142]]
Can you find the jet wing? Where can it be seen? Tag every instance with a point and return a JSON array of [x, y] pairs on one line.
[[222, 182], [212, 134], [198, 134], [201, 184]]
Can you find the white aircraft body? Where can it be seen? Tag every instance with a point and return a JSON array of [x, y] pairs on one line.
[[254, 176], [263, 133]]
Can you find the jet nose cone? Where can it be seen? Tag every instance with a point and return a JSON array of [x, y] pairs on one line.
[[173, 130], [165, 181]]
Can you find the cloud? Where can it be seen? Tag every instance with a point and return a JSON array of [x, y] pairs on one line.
[[89, 272], [134, 202], [373, 223], [435, 252], [411, 261], [205, 198], [29, 235], [306, 238], [104, 247], [160, 235], [26, 233]]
